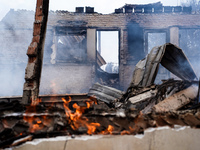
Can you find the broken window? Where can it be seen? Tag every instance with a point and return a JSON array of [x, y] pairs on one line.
[[71, 45], [108, 49]]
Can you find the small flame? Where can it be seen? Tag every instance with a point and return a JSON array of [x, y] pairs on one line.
[[35, 124], [88, 104], [109, 130], [39, 122]]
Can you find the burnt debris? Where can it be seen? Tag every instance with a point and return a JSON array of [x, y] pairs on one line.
[[90, 116], [144, 96], [106, 110]]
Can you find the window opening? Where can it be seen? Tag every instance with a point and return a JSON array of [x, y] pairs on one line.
[[108, 51]]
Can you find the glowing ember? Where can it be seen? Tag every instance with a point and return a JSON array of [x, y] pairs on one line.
[[35, 124], [38, 122]]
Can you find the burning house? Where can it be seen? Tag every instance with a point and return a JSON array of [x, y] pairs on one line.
[[126, 101]]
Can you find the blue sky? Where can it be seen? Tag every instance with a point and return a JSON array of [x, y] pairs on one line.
[[101, 6]]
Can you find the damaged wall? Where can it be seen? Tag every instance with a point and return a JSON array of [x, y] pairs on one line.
[[66, 24], [127, 24]]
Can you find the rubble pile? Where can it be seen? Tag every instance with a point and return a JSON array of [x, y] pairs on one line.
[[21, 124], [144, 96]]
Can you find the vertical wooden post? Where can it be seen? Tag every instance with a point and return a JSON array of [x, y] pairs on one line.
[[35, 53]]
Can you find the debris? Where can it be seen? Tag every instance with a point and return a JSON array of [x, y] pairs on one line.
[[105, 93], [177, 100], [143, 95], [107, 110]]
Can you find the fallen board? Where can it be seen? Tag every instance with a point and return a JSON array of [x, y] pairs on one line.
[[105, 93]]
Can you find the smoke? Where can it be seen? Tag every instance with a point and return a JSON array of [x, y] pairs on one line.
[[189, 42], [14, 41]]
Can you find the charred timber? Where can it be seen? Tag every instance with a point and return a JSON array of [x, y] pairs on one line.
[[177, 100], [35, 53]]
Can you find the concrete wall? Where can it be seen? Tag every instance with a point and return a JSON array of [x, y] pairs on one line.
[[161, 138]]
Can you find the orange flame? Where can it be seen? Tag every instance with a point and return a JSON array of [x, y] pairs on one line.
[[109, 130], [76, 119], [35, 124]]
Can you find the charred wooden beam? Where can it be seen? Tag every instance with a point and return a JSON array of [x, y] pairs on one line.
[[143, 96], [10, 101], [35, 53]]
